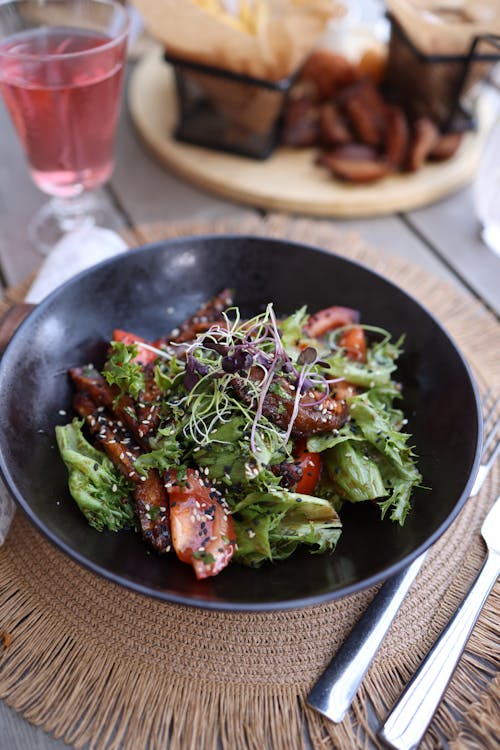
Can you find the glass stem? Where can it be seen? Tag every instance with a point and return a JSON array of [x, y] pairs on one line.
[[74, 212]]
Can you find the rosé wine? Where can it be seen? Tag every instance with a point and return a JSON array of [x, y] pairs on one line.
[[64, 104]]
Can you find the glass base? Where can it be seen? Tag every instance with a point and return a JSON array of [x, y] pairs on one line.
[[491, 236], [62, 215]]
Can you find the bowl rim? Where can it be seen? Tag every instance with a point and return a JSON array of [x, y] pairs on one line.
[[201, 603]]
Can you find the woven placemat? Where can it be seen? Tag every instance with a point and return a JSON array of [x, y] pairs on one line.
[[105, 668]]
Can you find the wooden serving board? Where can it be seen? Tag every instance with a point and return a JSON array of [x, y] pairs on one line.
[[289, 180]]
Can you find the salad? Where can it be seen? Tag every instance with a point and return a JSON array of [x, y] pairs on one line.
[[240, 439]]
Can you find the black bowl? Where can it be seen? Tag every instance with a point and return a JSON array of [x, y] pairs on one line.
[[149, 291]]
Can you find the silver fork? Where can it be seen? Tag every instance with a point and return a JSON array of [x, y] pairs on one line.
[[333, 693], [407, 723]]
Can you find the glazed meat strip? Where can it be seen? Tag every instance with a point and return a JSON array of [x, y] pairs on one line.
[[290, 472], [312, 419], [150, 497], [141, 419], [148, 408], [206, 316], [114, 440]]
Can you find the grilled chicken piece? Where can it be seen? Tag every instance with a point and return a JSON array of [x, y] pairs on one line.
[[201, 321], [330, 414], [150, 497]]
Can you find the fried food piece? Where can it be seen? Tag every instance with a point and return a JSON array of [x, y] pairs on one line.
[[355, 163], [329, 73], [301, 127], [311, 419], [366, 111], [373, 63], [334, 129], [397, 136], [149, 494], [446, 146], [424, 139]]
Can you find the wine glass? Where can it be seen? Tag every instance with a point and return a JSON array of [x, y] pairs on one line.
[[61, 70]]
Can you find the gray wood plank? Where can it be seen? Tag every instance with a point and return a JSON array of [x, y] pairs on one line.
[[393, 236], [17, 734], [19, 200], [452, 228]]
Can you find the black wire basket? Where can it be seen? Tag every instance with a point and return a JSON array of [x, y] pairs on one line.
[[435, 85], [228, 111]]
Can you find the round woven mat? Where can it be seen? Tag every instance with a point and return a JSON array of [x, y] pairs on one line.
[[107, 668]]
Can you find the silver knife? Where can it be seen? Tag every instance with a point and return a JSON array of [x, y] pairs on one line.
[[333, 693], [413, 712]]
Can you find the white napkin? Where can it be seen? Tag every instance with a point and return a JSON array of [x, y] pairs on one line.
[[76, 251]]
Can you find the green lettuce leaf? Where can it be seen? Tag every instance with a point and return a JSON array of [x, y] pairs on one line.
[[98, 489], [354, 472], [271, 525]]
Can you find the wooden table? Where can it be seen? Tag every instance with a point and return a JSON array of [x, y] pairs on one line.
[[442, 238]]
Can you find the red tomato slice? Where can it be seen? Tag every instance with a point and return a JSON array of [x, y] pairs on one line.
[[311, 468], [354, 342], [202, 530], [326, 320], [144, 356]]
